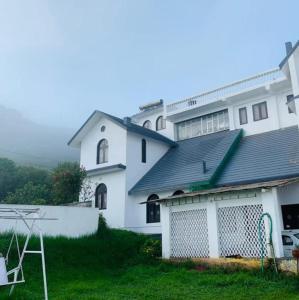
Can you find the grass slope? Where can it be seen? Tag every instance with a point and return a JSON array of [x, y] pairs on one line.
[[110, 267]]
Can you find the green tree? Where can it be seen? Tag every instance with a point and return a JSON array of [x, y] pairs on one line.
[[8, 177], [35, 175], [67, 181], [30, 194]]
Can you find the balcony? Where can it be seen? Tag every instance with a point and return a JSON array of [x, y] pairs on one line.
[[240, 86]]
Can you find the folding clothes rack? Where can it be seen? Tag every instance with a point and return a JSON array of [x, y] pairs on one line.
[[31, 217]]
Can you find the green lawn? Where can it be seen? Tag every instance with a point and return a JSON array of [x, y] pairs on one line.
[[111, 267]]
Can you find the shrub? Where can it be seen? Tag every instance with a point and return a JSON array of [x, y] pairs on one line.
[[151, 248], [103, 228]]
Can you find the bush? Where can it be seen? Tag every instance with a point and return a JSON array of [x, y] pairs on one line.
[[151, 248], [103, 228], [29, 194], [67, 180]]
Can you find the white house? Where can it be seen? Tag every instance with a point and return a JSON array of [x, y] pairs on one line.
[[205, 167]]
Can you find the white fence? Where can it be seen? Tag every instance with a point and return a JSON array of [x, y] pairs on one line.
[[71, 221], [261, 79]]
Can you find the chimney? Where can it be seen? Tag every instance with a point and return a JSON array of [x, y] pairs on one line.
[[289, 47], [127, 120]]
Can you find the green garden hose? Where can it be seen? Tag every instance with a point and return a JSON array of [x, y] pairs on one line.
[[262, 255]]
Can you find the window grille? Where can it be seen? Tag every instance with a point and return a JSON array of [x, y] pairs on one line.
[[189, 233], [238, 230]]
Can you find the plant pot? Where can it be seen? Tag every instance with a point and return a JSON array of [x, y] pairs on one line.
[[295, 253]]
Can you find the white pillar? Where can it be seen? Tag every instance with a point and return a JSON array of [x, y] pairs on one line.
[[231, 117], [213, 229], [271, 205], [165, 227]]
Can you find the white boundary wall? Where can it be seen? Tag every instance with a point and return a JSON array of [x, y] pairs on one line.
[[72, 221]]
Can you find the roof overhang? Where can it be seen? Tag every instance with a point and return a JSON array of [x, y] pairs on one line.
[[226, 189], [93, 119], [104, 170]]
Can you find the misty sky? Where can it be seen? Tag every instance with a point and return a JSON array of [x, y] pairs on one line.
[[62, 59]]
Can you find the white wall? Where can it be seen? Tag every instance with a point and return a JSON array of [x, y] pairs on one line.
[[116, 194], [152, 117], [268, 199], [136, 213], [278, 116], [116, 137], [72, 221], [288, 194]]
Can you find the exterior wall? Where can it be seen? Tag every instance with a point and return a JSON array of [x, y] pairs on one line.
[[71, 221], [116, 194], [152, 116], [136, 214], [288, 194], [135, 168], [116, 137], [268, 199], [278, 115]]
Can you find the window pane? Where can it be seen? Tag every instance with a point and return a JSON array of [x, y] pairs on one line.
[[243, 115], [264, 114], [256, 112], [203, 125]]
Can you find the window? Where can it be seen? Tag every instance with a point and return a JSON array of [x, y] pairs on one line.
[[177, 193], [287, 240], [143, 151], [260, 111], [206, 124], [147, 124], [160, 123], [102, 151], [103, 128], [152, 210], [243, 115], [291, 104], [101, 196]]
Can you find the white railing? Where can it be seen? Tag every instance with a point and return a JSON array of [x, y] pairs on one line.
[[225, 91]]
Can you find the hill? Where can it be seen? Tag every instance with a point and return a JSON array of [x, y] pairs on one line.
[[29, 143]]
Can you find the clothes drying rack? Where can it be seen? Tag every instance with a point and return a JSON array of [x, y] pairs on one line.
[[31, 218]]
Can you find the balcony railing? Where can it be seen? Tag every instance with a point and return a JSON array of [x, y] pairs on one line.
[[225, 91]]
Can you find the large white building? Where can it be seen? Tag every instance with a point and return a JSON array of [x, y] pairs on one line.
[[206, 167]]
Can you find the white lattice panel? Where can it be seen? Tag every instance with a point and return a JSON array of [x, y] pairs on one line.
[[189, 233], [238, 230]]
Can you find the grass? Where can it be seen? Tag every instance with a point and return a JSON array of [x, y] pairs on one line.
[[111, 267]]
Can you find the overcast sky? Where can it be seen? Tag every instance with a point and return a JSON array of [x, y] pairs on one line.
[[60, 59]]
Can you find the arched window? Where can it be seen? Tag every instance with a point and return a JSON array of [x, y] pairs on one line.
[[102, 151], [101, 196], [160, 123], [152, 210], [178, 192], [147, 124], [143, 151]]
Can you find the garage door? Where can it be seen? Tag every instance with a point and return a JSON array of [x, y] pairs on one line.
[[189, 233], [238, 230]]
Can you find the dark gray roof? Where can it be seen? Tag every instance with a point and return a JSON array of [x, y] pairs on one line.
[[288, 55], [107, 169], [264, 157], [126, 123], [183, 165]]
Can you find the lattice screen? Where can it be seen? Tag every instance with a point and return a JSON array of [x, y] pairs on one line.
[[189, 233], [238, 230]]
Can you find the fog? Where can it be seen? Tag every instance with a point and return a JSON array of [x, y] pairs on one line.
[[61, 60]]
